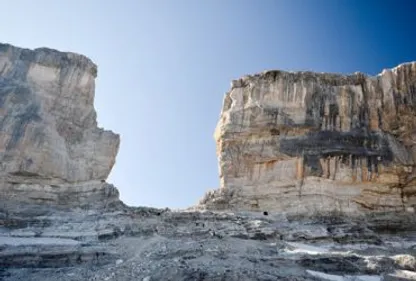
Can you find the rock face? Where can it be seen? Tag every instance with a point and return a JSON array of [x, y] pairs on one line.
[[306, 142], [60, 220], [51, 149]]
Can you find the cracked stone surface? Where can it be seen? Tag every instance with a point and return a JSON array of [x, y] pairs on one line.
[[129, 244]]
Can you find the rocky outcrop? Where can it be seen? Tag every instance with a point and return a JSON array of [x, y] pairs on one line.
[[51, 150], [60, 220], [304, 142]]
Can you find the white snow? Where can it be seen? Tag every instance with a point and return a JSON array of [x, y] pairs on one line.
[[324, 276], [294, 248], [331, 277]]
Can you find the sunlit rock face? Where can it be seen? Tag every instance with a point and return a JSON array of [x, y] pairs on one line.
[[306, 142], [286, 142], [49, 139]]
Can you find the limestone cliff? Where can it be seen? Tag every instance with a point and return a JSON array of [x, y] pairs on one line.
[[305, 142], [286, 141], [51, 149]]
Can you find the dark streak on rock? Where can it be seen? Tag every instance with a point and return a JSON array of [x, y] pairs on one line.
[[29, 115]]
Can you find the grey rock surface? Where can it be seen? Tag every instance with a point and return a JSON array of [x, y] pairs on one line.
[[50, 144], [129, 244]]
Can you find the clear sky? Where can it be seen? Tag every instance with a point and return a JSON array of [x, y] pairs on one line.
[[164, 66]]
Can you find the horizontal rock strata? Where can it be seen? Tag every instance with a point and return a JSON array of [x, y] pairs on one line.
[[153, 244], [306, 142]]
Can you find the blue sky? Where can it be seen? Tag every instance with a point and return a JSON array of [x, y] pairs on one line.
[[164, 67]]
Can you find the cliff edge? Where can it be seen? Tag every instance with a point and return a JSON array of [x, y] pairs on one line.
[[303, 142], [51, 150]]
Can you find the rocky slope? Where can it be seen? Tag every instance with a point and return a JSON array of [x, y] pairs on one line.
[[130, 244], [305, 142], [148, 244], [60, 220]]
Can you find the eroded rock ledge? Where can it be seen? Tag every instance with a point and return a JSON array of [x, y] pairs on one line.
[[51, 150], [306, 142]]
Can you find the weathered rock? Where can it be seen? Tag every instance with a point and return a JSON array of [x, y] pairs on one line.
[[164, 245], [306, 142], [60, 220], [51, 149]]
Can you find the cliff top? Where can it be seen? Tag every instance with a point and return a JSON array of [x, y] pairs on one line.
[[49, 57], [332, 79]]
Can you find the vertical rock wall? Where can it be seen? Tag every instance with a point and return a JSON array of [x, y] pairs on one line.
[[50, 144], [306, 142]]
